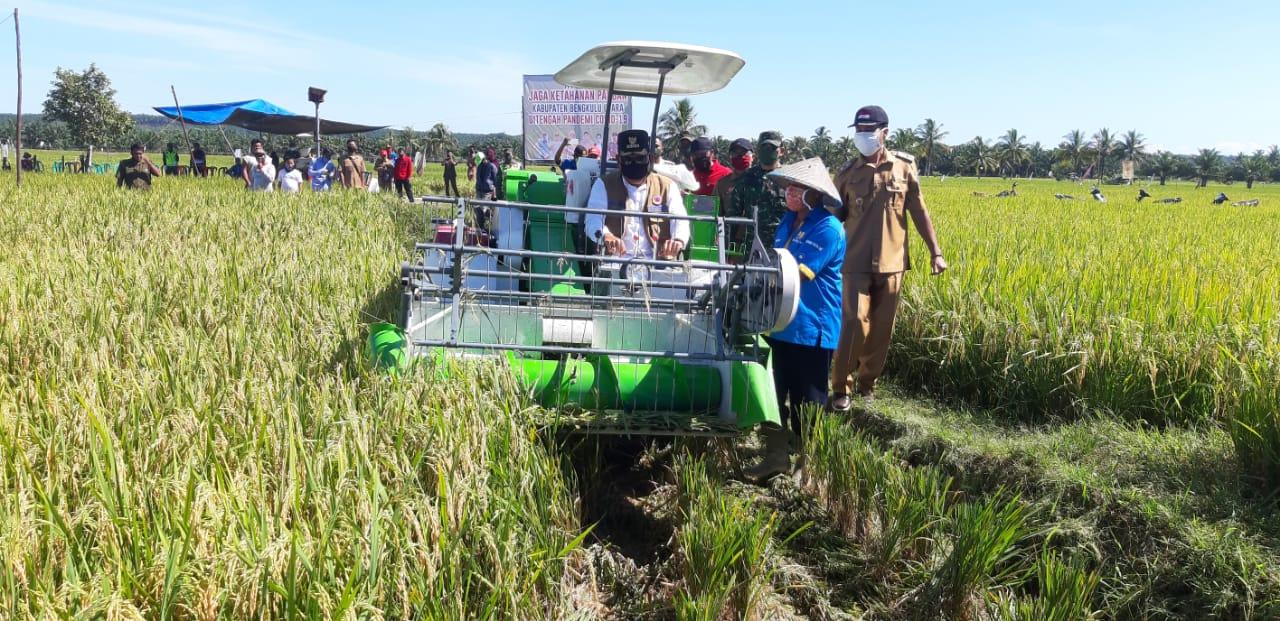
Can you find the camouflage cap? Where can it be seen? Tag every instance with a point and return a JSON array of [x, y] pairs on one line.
[[770, 137]]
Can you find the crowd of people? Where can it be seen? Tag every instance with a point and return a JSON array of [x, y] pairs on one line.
[[268, 172]]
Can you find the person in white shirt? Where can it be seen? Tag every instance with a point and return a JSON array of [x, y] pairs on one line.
[[290, 178], [260, 172], [637, 189], [671, 170]]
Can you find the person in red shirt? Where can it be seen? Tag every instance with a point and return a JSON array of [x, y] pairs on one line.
[[403, 171], [706, 168]]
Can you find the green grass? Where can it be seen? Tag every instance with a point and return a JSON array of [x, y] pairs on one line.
[[1163, 515]]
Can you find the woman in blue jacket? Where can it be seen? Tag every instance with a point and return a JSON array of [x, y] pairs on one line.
[[802, 350]]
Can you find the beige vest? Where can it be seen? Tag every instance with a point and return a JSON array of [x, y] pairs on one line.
[[658, 228]]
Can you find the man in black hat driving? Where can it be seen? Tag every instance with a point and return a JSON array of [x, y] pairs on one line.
[[635, 188]]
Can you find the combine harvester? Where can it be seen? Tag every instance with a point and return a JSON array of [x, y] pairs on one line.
[[616, 345]]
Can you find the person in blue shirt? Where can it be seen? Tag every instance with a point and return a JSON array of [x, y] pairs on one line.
[[568, 164], [321, 171], [802, 350]]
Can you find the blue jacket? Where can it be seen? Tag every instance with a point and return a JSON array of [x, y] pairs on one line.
[[487, 178], [818, 246]]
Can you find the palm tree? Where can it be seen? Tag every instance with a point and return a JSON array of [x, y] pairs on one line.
[[407, 138], [1164, 165], [1011, 151], [1254, 167], [679, 120], [978, 156], [930, 134], [1133, 147], [821, 142], [1103, 145], [1073, 149], [1273, 160], [1206, 163], [797, 149], [842, 151], [439, 139], [1036, 156], [902, 139]]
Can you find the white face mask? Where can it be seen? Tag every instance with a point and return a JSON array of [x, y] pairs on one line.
[[867, 142]]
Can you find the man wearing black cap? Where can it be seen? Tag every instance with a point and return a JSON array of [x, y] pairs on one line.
[[879, 189], [752, 193], [635, 188], [741, 156], [706, 168], [683, 145]]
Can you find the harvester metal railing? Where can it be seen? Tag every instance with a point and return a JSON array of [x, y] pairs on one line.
[[606, 292]]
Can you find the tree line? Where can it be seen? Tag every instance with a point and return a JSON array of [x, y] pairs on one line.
[[80, 110], [1097, 156]]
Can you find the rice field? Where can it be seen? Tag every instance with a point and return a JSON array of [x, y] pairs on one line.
[[190, 430], [1053, 309]]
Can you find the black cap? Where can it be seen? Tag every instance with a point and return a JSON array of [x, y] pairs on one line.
[[702, 144], [770, 137], [741, 143], [633, 141], [871, 115]]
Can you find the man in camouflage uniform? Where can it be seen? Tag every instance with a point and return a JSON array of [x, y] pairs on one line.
[[753, 194], [879, 189]]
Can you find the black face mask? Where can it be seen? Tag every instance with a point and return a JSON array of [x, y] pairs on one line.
[[634, 171], [702, 165]]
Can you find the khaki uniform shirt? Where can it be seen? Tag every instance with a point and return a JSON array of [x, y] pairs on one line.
[[352, 174], [878, 199]]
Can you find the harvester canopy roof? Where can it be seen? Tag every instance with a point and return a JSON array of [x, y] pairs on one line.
[[260, 115], [692, 69]]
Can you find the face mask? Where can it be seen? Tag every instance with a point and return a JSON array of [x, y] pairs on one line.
[[702, 165], [768, 156], [867, 142], [741, 163], [795, 199], [634, 171]]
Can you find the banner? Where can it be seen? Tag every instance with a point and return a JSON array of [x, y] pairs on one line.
[[1126, 170], [553, 112]]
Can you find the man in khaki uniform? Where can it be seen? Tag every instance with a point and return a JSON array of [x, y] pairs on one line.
[[878, 189], [351, 172]]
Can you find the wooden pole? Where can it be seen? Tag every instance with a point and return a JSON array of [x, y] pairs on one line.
[[17, 153], [177, 105]]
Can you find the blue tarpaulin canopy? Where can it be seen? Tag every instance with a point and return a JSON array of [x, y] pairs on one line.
[[260, 115]]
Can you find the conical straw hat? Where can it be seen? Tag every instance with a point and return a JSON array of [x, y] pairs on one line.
[[811, 173]]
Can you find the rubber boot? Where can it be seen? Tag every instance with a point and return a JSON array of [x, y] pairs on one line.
[[776, 460]]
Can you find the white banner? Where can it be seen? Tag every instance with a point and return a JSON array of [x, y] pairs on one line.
[[553, 112]]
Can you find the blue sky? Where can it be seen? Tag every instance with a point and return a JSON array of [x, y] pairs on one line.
[[1185, 74]]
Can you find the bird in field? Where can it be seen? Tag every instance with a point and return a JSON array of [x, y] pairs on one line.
[[1064, 197], [1097, 195], [1220, 198], [1143, 193], [1013, 191], [1170, 201], [1253, 202]]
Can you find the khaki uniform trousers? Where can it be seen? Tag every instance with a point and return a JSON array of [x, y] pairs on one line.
[[870, 306]]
